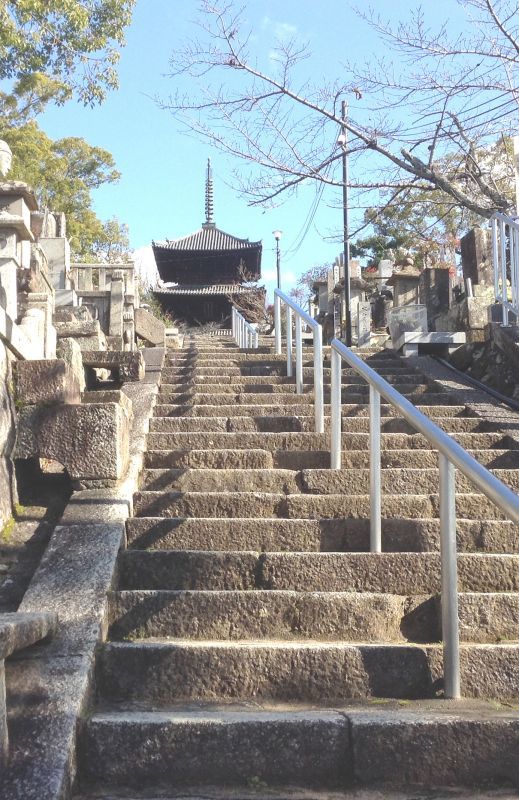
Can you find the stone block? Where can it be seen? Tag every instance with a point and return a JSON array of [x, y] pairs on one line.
[[90, 440], [110, 396], [149, 328], [69, 350], [75, 328], [128, 366], [45, 382]]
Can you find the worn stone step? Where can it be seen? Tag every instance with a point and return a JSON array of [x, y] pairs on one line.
[[395, 573], [487, 618], [324, 482], [394, 481], [233, 376], [415, 506], [496, 458], [215, 393], [319, 441], [281, 615], [304, 422], [302, 506], [221, 480], [299, 671], [301, 793], [326, 535], [348, 410], [418, 744], [178, 748]]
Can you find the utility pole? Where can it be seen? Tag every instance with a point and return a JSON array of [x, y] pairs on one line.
[[346, 237], [277, 236]]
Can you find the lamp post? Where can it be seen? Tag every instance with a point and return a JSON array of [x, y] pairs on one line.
[[277, 237], [343, 142]]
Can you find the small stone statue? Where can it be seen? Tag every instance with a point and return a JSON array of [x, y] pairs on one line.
[[6, 158]]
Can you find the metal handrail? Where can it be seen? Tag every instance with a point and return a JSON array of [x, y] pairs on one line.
[[300, 316], [451, 455], [243, 332], [499, 256]]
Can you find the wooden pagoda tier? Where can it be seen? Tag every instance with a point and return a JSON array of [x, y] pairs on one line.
[[208, 256], [198, 305]]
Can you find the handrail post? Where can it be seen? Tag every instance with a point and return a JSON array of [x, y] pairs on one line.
[[299, 355], [336, 448], [256, 340], [277, 323], [375, 482], [449, 579], [495, 257], [318, 380], [289, 341], [504, 292], [233, 310]]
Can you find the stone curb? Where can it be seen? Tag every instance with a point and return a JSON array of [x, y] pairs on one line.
[[49, 688]]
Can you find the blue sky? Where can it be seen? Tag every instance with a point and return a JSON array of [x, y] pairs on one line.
[[161, 192]]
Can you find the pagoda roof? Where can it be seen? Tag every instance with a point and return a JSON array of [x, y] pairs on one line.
[[208, 239], [213, 289]]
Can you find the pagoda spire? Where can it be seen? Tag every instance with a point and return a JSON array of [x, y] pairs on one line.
[[209, 211]]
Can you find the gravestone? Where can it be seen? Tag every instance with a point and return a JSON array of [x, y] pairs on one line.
[[363, 324], [476, 256]]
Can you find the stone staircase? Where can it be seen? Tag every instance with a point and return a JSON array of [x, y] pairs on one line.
[[254, 643]]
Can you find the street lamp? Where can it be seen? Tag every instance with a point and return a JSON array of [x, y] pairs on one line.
[[343, 142], [277, 237]]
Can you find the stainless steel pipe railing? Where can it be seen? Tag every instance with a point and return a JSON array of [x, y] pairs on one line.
[[295, 315], [243, 333], [451, 455]]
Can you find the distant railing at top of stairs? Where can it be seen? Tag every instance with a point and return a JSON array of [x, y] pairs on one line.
[[505, 253], [243, 332], [295, 314]]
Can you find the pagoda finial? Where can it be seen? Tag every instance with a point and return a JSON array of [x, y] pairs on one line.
[[209, 218]]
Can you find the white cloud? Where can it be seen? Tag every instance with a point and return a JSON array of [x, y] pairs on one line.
[[281, 30], [284, 30]]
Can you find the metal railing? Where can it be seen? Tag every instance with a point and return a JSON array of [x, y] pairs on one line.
[[506, 230], [450, 455], [243, 332], [297, 316]]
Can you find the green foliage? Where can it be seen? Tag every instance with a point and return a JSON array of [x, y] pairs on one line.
[[63, 174], [74, 42]]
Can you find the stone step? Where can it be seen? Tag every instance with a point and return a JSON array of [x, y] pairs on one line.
[[348, 410], [324, 481], [395, 573], [318, 441], [227, 615], [214, 392], [222, 480], [195, 376], [291, 672], [273, 423], [326, 535], [418, 744], [283, 615], [264, 792], [179, 748], [222, 458]]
